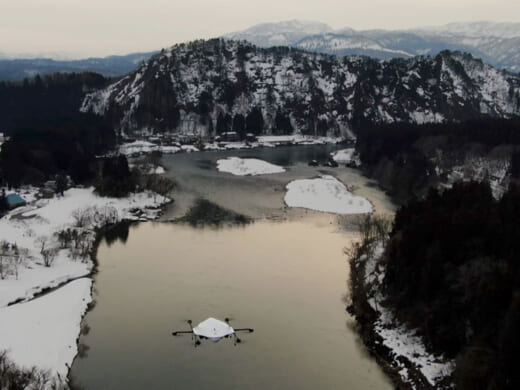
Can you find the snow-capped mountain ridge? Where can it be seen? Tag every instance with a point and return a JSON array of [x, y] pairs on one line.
[[497, 43], [281, 33], [210, 87], [476, 29]]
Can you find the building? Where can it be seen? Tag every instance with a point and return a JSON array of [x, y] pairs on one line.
[[14, 201]]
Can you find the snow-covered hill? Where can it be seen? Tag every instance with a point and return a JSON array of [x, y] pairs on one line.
[[284, 33], [496, 43], [477, 29], [210, 87]]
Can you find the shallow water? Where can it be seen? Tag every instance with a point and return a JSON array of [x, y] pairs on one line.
[[285, 278], [258, 196]]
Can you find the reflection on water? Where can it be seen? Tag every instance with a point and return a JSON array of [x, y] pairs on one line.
[[284, 279], [118, 232]]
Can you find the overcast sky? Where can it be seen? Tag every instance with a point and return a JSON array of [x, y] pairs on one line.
[[104, 27]]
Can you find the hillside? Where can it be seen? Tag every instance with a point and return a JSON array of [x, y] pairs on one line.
[[209, 87]]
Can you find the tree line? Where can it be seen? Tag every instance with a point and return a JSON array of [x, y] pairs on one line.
[[453, 273], [404, 156]]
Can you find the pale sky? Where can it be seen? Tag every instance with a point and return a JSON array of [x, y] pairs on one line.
[[103, 27]]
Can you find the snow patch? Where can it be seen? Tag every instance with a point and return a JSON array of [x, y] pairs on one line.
[[247, 166], [325, 194], [346, 156], [43, 332]]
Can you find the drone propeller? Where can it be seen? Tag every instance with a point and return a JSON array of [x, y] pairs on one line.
[[185, 331]]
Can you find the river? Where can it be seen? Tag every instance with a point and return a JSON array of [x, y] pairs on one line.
[[284, 275]]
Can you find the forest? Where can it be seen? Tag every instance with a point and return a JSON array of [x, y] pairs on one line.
[[36, 154], [405, 157], [453, 273]]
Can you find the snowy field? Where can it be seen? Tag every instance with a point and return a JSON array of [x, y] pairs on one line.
[[35, 256], [38, 224], [43, 332], [326, 194], [247, 166]]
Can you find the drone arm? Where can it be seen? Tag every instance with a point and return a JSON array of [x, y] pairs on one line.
[[250, 330], [181, 331]]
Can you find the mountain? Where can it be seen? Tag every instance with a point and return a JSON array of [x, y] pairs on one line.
[[496, 43], [284, 33], [477, 29], [18, 69], [209, 87]]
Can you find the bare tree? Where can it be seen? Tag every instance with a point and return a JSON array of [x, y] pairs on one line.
[[82, 217], [159, 185], [42, 240], [49, 255], [10, 258]]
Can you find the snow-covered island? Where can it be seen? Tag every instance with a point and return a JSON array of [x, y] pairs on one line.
[[247, 166], [47, 245], [326, 194]]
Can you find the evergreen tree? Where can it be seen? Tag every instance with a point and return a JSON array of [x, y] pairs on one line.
[[255, 121]]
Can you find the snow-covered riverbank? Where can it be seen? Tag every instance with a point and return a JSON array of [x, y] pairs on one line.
[[140, 147], [399, 348], [42, 333], [44, 245]]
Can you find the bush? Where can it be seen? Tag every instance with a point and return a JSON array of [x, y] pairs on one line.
[[204, 212]]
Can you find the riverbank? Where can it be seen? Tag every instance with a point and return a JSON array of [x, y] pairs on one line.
[[398, 350], [47, 249], [140, 147]]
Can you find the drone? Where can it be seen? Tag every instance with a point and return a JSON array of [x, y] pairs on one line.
[[214, 330]]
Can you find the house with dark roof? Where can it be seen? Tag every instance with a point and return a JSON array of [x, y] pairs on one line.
[[14, 201]]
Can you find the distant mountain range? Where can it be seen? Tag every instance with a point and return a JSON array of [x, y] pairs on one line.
[[495, 43], [18, 69]]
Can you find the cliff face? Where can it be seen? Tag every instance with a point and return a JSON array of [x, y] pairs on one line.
[[209, 87]]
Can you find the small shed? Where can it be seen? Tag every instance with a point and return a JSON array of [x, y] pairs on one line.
[[15, 200]]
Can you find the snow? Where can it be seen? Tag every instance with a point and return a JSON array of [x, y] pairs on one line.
[[142, 147], [403, 342], [213, 329], [326, 194], [42, 219], [157, 171], [345, 156], [297, 139], [247, 166], [43, 332]]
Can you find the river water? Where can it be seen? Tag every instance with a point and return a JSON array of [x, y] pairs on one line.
[[284, 275]]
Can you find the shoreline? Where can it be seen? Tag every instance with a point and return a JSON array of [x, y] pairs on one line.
[[406, 374], [39, 290], [140, 147]]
